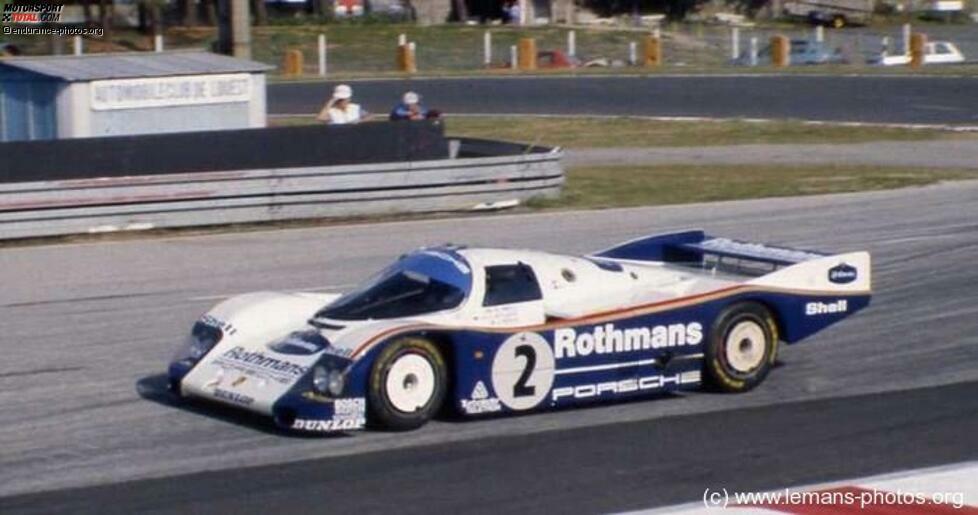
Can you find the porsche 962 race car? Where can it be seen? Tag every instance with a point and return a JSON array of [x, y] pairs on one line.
[[484, 331]]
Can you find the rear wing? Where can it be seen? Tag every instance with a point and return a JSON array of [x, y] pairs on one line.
[[696, 246], [771, 265]]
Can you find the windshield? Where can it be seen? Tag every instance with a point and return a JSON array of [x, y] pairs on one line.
[[420, 283]]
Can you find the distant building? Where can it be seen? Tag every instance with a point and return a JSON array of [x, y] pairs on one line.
[[137, 93]]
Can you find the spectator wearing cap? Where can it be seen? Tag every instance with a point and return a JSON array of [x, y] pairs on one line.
[[410, 108], [340, 109]]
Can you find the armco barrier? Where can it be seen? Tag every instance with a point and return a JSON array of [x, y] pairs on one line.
[[481, 172]]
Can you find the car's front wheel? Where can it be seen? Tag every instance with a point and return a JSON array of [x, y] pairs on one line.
[[408, 384], [742, 347]]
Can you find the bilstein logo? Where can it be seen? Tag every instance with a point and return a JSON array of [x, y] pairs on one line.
[[300, 343], [606, 339], [842, 274]]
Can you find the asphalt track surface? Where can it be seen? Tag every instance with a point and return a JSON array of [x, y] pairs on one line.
[[88, 329], [874, 99]]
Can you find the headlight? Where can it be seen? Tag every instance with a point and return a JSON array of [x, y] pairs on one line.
[[201, 340], [336, 383], [327, 382], [320, 379]]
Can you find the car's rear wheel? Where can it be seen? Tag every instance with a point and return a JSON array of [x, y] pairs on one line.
[[742, 347], [408, 384]]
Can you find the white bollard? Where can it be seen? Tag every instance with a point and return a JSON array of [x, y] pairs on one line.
[[78, 45], [632, 53], [885, 44], [905, 44], [158, 43], [401, 40], [413, 48], [512, 57], [753, 51], [487, 49], [571, 44], [819, 33], [735, 43], [322, 55]]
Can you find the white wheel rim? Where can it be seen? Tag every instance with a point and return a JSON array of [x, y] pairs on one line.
[[410, 383], [745, 346]]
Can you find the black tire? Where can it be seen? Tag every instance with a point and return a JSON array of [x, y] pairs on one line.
[[391, 401], [742, 347]]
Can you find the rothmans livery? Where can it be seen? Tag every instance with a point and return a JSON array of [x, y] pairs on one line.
[[486, 331]]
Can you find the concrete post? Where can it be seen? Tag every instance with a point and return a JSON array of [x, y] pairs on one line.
[[905, 40], [322, 55], [513, 57], [819, 33], [78, 45], [487, 49], [632, 53], [753, 51], [158, 43], [735, 43], [571, 44]]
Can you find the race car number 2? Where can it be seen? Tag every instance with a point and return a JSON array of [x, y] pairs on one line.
[[523, 371]]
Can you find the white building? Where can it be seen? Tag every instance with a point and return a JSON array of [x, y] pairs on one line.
[[139, 93]]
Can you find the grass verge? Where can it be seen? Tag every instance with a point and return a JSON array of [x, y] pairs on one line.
[[589, 132], [628, 186], [584, 132]]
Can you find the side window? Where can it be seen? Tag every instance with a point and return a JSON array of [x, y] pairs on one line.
[[508, 284]]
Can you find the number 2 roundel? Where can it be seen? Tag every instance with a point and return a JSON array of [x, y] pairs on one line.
[[523, 371]]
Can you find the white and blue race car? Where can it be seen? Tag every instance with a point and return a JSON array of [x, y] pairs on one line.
[[485, 331]]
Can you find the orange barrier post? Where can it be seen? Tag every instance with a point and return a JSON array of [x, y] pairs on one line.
[[527, 55], [652, 51], [918, 45], [780, 51], [292, 63], [405, 59]]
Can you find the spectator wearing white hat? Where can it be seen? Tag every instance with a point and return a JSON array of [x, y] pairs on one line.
[[410, 108], [340, 109]]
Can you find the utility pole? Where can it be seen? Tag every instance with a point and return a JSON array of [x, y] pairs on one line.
[[234, 28]]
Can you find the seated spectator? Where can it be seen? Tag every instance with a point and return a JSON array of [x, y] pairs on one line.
[[410, 108], [340, 109]]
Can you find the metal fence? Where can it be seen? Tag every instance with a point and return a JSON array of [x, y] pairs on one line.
[[481, 174], [460, 49]]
